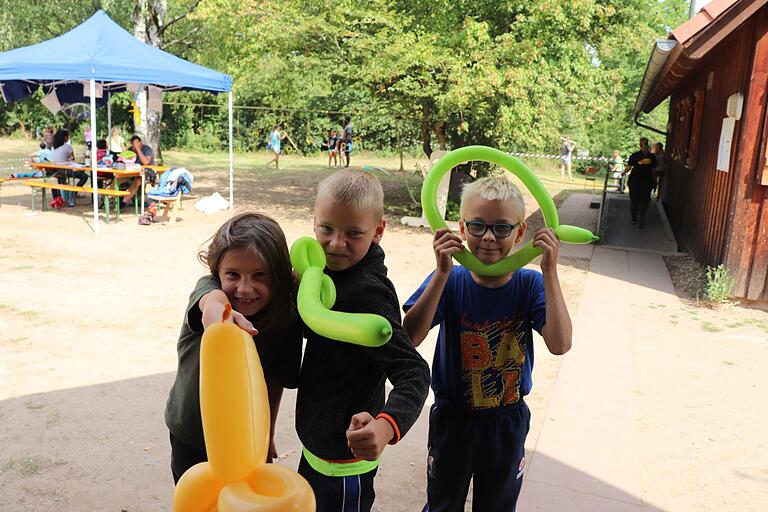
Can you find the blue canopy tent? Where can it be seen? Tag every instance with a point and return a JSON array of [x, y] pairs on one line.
[[99, 51]]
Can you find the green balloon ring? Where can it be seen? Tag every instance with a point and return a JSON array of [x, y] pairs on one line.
[[524, 255]]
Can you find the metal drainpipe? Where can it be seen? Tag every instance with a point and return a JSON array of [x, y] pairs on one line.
[[655, 130]]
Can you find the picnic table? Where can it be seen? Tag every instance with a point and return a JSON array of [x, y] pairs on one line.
[[133, 171]]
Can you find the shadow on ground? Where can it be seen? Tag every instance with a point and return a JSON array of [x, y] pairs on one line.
[[105, 447]]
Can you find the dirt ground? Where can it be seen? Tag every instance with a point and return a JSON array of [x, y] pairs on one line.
[[88, 343], [89, 328]]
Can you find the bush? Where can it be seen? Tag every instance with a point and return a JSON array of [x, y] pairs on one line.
[[719, 285]]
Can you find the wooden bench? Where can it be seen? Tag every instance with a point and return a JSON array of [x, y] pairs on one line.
[[106, 193], [13, 180]]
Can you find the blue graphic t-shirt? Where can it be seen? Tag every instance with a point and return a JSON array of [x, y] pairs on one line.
[[484, 353]]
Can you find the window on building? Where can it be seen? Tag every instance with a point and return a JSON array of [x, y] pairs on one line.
[[687, 113]]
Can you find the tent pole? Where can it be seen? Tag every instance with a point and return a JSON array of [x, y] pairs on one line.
[[231, 158], [94, 174], [109, 118]]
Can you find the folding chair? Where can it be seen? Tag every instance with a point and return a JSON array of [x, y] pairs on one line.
[[590, 174]]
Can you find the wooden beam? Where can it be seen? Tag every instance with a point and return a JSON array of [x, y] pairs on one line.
[[746, 194], [758, 278]]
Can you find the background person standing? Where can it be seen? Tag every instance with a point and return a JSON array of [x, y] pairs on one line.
[[346, 140], [566, 157], [275, 139], [642, 180]]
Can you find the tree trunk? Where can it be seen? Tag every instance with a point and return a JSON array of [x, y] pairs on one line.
[[426, 136], [148, 18], [440, 135]]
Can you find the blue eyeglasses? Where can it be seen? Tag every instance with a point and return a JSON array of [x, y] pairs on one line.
[[499, 229]]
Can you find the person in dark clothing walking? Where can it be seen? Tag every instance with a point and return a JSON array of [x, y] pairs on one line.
[[346, 141], [342, 419], [642, 180]]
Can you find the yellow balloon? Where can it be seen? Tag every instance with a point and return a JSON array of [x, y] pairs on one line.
[[233, 402], [235, 411], [198, 490], [271, 488]]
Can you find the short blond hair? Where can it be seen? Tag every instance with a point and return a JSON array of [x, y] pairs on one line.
[[359, 189], [494, 188]]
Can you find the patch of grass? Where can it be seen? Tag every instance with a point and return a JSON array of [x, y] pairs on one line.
[[54, 418], [17, 339], [710, 327], [23, 267], [4, 306], [728, 363], [29, 314], [733, 325], [26, 466], [29, 404]]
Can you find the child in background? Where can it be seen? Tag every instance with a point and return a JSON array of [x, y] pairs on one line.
[[342, 418], [101, 149], [275, 139], [333, 148], [484, 356], [116, 142], [249, 269], [41, 155]]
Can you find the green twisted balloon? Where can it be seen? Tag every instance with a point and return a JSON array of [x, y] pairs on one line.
[[317, 295], [524, 255]]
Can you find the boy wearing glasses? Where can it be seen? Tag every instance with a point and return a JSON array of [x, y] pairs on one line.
[[484, 355]]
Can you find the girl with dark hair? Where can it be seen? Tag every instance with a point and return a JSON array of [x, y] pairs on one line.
[[250, 270], [62, 153]]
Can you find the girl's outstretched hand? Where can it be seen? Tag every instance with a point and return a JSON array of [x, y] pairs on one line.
[[216, 308], [239, 320]]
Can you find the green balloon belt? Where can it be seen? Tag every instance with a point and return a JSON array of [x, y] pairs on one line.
[[317, 293]]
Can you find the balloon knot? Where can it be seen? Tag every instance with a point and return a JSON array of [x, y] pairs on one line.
[[226, 313]]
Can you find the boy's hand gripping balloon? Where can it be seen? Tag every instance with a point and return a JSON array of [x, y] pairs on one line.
[[523, 256], [317, 294], [235, 412]]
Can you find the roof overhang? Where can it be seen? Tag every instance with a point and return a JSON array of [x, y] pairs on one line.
[[690, 43]]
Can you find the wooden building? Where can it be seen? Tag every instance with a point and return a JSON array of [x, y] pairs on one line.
[[714, 69]]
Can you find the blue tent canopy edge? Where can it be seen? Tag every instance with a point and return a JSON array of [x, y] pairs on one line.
[[100, 49]]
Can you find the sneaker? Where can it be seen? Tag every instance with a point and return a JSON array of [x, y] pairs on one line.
[[146, 219]]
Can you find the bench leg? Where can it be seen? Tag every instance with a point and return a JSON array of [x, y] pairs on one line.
[[106, 208], [174, 207], [44, 207]]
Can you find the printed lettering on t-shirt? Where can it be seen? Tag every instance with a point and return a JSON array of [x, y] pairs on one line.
[[492, 356]]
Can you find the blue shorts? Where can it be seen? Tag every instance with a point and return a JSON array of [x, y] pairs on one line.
[[486, 446], [344, 493]]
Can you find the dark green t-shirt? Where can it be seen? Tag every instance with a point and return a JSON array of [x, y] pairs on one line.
[[279, 350]]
